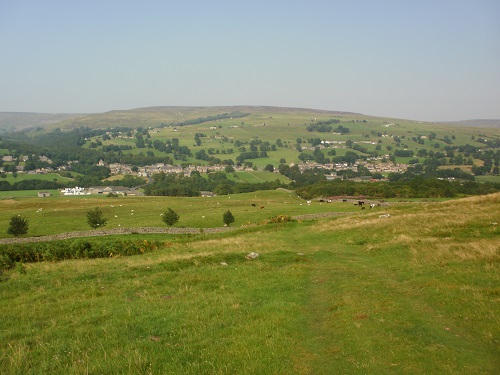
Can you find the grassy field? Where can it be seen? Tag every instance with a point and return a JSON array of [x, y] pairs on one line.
[[495, 179], [59, 214], [44, 177], [257, 177], [414, 292]]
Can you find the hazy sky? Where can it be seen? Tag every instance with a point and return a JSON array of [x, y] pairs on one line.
[[421, 59]]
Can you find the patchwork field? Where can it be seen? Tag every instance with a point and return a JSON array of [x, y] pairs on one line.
[[268, 124], [408, 289]]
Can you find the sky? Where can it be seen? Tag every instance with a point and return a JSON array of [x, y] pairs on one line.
[[428, 60]]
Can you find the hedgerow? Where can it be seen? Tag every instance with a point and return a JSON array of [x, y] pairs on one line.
[[279, 219], [70, 249]]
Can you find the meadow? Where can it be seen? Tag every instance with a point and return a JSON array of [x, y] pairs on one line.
[[44, 177], [407, 289], [60, 214]]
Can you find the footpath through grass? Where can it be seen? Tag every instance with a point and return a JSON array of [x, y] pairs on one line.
[[410, 293]]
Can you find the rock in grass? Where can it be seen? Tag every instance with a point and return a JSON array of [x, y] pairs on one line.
[[252, 255]]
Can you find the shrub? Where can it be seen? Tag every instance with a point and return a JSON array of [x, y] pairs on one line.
[[170, 217], [95, 218], [70, 249], [18, 226], [280, 219], [228, 218]]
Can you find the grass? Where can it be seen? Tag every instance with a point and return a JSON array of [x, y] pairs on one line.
[[415, 292], [10, 194], [44, 177], [494, 179], [59, 214], [257, 177]]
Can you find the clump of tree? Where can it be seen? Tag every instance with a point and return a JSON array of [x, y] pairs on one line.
[[269, 168], [18, 226], [170, 217], [341, 129], [170, 184], [201, 120], [95, 218], [321, 128], [250, 155]]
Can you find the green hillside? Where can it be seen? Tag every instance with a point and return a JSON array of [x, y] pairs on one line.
[[253, 138], [268, 124], [408, 288]]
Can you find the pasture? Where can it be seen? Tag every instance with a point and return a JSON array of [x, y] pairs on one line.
[[413, 292], [60, 214], [44, 177]]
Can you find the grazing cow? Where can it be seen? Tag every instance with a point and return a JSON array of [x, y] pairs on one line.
[[363, 207], [372, 205], [261, 207], [360, 203], [254, 205]]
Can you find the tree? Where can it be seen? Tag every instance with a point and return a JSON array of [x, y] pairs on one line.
[[269, 167], [18, 226], [95, 218], [170, 217], [228, 218]]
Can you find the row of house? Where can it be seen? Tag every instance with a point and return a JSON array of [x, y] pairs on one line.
[[373, 167], [149, 170], [11, 158], [99, 190]]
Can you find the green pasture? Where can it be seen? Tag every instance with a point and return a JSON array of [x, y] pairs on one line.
[[257, 177], [412, 293], [6, 195], [59, 214], [44, 177], [494, 179]]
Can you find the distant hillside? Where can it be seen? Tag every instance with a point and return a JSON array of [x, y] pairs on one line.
[[153, 116], [10, 121], [481, 123]]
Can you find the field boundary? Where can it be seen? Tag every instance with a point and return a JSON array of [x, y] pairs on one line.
[[116, 231]]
